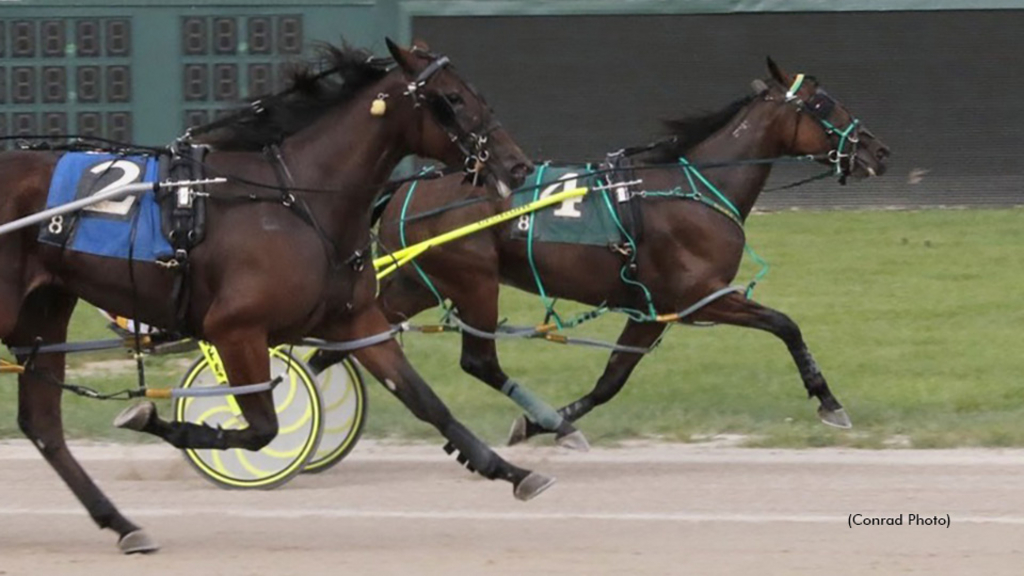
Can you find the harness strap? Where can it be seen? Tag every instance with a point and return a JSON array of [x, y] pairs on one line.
[[401, 234], [359, 343], [549, 305], [530, 333]]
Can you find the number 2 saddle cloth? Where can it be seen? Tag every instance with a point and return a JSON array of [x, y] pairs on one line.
[[588, 219], [134, 226]]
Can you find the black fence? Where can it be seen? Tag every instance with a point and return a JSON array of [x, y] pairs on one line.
[[944, 89]]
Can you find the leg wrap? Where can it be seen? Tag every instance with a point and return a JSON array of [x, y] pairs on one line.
[[188, 435], [473, 453], [537, 409]]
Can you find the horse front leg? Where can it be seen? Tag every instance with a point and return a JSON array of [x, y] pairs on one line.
[[45, 315], [620, 366], [737, 310], [388, 364], [479, 308]]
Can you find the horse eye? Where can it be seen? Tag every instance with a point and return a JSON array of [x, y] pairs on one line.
[[454, 98]]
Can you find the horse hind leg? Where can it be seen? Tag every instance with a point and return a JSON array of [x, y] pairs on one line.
[[737, 310], [45, 314], [616, 373]]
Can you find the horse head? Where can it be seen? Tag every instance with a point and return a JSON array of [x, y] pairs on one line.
[[459, 128], [834, 134]]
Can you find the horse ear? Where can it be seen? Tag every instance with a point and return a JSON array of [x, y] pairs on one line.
[[402, 56], [777, 73], [421, 44]]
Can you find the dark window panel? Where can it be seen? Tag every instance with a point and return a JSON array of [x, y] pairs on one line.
[[260, 36], [23, 85], [289, 35], [54, 40], [261, 80], [193, 36], [23, 124], [196, 83], [119, 37], [89, 124], [87, 38], [3, 85], [119, 126], [55, 85], [196, 118], [3, 38], [225, 35], [3, 131], [222, 113], [87, 83], [23, 39], [225, 82], [119, 84], [55, 124]]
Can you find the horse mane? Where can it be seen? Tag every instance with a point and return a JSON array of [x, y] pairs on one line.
[[689, 131], [335, 75]]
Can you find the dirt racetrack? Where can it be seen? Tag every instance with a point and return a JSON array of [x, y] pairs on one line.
[[649, 509]]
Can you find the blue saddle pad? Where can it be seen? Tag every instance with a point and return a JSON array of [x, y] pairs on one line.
[[106, 228], [582, 220]]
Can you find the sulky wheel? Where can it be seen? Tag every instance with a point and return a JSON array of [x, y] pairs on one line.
[[299, 416], [344, 406]]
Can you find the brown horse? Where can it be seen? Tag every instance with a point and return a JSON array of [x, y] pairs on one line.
[[689, 249], [281, 260]]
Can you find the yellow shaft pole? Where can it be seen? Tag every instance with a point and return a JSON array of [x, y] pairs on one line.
[[391, 262]]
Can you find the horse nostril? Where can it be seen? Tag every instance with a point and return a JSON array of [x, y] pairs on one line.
[[882, 153]]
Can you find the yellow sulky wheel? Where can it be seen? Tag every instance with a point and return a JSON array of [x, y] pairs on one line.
[[344, 406], [299, 416]]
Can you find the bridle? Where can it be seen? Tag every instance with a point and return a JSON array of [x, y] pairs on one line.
[[472, 141], [846, 140]]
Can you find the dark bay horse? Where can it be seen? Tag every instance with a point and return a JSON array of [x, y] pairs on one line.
[[281, 260], [689, 250]]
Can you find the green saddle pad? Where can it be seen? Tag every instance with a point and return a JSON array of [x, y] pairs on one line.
[[581, 220]]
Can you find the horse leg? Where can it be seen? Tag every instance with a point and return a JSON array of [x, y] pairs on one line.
[[737, 310], [620, 366], [387, 363], [243, 350], [45, 315], [479, 309]]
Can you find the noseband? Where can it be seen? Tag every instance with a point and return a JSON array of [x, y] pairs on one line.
[[472, 142], [847, 139]]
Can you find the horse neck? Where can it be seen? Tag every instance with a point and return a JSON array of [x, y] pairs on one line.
[[756, 132], [351, 153]]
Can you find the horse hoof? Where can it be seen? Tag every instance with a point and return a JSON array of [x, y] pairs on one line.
[[574, 441], [531, 486], [137, 542], [135, 418], [518, 432], [836, 418]]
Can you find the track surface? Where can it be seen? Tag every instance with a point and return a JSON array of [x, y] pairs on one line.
[[663, 509]]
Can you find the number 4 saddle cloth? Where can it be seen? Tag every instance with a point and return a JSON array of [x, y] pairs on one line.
[[130, 227], [588, 219]]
